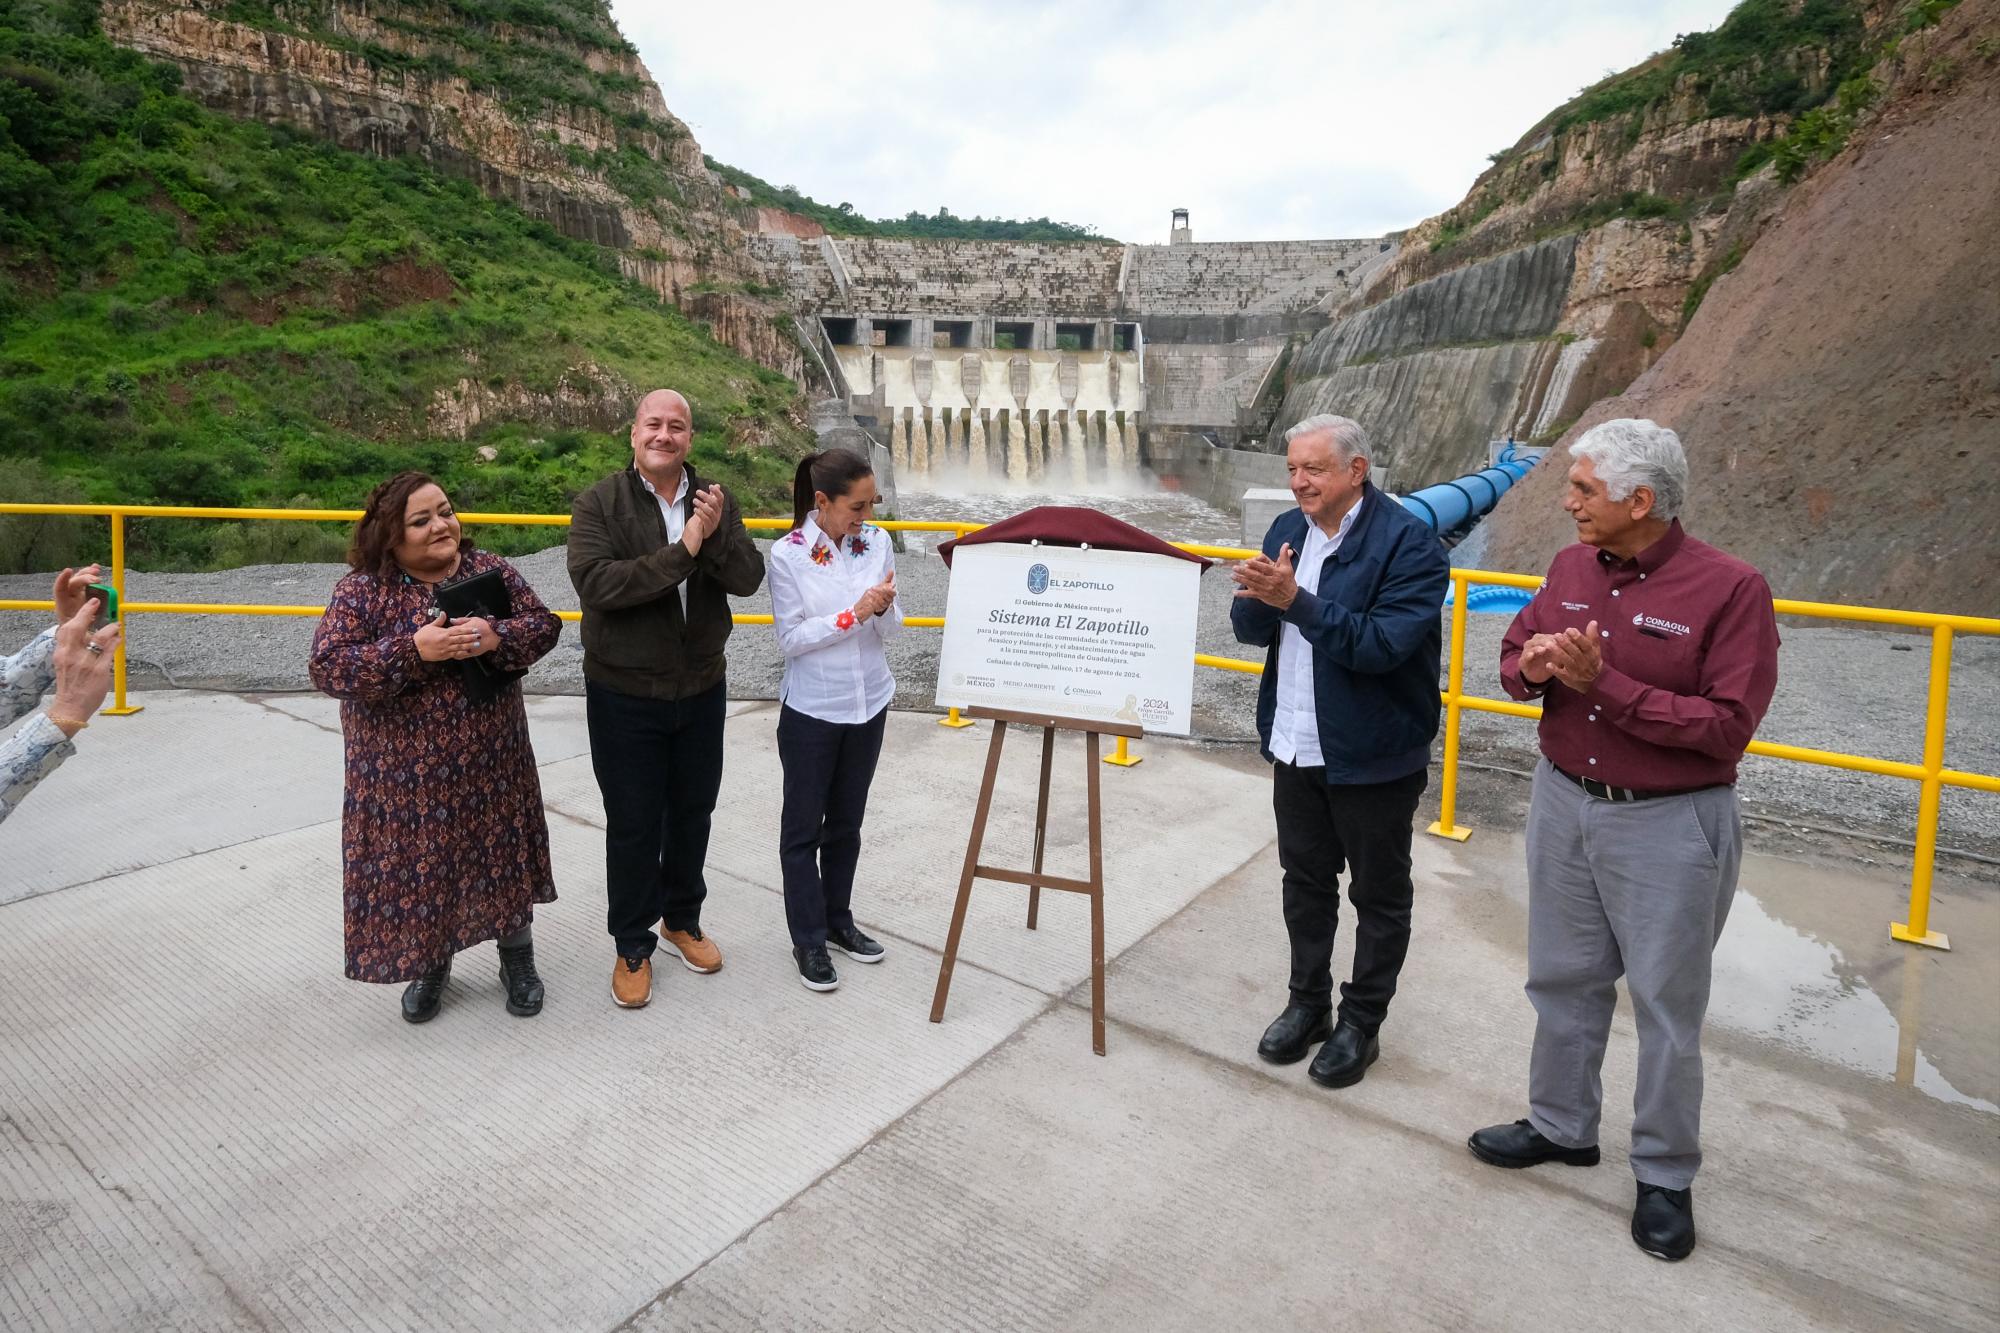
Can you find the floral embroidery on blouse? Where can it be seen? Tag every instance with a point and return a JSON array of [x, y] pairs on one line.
[[821, 553], [860, 547], [845, 620], [796, 537]]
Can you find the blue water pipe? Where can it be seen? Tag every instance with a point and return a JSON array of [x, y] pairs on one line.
[[1453, 507], [1492, 599], [1450, 507]]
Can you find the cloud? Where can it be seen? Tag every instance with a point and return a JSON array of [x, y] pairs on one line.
[[1265, 120]]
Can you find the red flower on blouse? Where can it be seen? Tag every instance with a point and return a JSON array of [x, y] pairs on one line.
[[858, 546], [821, 553], [845, 620]]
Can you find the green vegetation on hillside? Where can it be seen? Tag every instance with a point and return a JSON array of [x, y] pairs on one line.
[[1802, 61], [1764, 59], [842, 220], [196, 310], [1767, 58]]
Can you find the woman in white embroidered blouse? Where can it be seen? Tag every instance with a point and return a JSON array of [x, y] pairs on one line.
[[833, 603]]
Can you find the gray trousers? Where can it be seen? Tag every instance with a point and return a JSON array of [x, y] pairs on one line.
[[1638, 889]]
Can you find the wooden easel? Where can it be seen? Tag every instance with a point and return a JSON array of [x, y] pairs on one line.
[[1034, 878]]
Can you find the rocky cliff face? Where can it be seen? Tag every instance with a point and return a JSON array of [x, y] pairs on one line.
[[1567, 270], [1514, 345], [560, 118], [1839, 392]]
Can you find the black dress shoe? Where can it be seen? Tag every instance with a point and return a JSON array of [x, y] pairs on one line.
[[856, 945], [1663, 1221], [1293, 1033], [815, 968], [1345, 1057], [1521, 1144], [524, 985], [422, 996]]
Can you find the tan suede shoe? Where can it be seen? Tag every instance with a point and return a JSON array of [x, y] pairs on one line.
[[632, 982], [698, 951]]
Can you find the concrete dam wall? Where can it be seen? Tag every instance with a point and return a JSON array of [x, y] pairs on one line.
[[1179, 336], [1442, 367]]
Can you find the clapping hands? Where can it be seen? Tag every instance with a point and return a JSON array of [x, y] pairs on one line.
[[705, 519], [1271, 582], [877, 599], [445, 639], [1571, 656]]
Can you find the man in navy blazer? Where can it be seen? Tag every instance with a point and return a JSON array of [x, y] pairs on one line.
[[1346, 597]]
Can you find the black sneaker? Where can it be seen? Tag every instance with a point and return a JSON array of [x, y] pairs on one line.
[[856, 945], [816, 969], [422, 996]]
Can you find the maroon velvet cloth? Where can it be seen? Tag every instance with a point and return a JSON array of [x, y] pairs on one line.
[[1069, 525]]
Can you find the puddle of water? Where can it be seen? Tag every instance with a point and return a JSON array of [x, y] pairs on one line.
[[1774, 981], [1810, 992]]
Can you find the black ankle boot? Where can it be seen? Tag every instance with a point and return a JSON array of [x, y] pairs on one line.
[[524, 985], [422, 996]]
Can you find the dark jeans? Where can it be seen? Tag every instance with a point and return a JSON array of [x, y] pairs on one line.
[[828, 766], [1365, 829], [659, 765]]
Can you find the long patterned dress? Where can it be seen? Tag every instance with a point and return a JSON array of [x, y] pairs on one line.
[[443, 838]]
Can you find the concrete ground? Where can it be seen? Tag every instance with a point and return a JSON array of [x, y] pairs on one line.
[[203, 1126]]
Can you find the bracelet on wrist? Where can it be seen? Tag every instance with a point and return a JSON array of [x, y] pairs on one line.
[[75, 724]]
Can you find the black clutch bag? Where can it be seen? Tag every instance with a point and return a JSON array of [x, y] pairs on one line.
[[484, 595]]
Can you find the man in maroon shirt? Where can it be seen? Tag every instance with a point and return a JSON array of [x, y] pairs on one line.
[[1656, 656]]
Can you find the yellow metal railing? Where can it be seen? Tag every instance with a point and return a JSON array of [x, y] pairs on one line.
[[1931, 773]]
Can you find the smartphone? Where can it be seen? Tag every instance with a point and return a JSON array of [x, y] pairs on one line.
[[107, 595]]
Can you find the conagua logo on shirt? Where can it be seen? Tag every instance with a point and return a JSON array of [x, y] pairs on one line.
[[1644, 621]]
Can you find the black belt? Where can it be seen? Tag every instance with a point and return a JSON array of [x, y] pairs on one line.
[[1604, 791]]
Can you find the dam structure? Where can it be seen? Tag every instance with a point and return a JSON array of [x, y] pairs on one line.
[[1063, 366]]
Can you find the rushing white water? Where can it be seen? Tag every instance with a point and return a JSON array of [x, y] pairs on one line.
[[960, 448]]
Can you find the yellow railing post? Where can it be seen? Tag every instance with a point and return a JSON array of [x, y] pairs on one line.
[[119, 708], [1917, 929], [1445, 827], [1932, 775], [1120, 757]]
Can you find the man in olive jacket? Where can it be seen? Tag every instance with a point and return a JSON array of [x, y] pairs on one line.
[[655, 554]]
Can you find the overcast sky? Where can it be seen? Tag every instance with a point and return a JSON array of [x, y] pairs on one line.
[[1264, 120]]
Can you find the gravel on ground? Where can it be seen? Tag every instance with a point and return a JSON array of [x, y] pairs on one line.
[[1861, 691]]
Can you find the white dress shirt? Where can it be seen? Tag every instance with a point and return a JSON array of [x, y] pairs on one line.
[[1295, 725], [835, 669], [671, 510]]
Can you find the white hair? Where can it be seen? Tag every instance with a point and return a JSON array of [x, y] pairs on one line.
[[1633, 452], [1350, 441]]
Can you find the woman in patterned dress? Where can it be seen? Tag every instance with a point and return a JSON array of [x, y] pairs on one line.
[[443, 840]]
